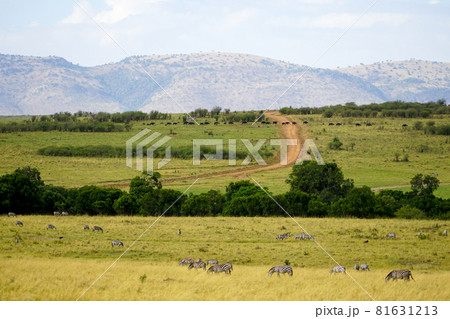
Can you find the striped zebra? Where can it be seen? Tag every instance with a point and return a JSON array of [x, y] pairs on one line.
[[365, 267], [11, 214], [198, 264], [337, 269], [404, 274], [117, 243], [309, 237], [301, 236], [64, 214], [186, 261], [49, 226], [390, 235], [56, 213], [356, 267], [444, 232], [19, 223], [212, 262], [86, 227], [227, 268], [97, 228], [284, 236], [281, 270]]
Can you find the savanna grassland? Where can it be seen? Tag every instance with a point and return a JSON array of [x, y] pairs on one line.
[[44, 267]]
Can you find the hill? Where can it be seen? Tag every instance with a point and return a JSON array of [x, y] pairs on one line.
[[44, 85]]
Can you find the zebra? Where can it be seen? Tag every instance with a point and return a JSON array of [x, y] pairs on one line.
[[337, 269], [399, 274], [301, 236], [51, 227], [117, 243], [179, 231], [56, 213], [212, 262], [390, 235], [186, 261], [17, 240], [356, 267], [198, 264], [97, 228], [419, 234], [227, 268], [64, 214], [365, 267], [19, 223], [199, 260], [284, 236], [444, 232], [11, 214], [86, 227], [309, 237], [281, 270]]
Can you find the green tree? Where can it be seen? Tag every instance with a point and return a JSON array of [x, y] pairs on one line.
[[126, 205], [336, 144], [424, 185], [146, 183]]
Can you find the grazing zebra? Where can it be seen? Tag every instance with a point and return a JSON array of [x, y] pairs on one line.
[[11, 214], [356, 267], [97, 228], [19, 223], [117, 243], [51, 227], [399, 274], [445, 232], [390, 235], [17, 240], [281, 270], [186, 261], [419, 234], [301, 236], [337, 269], [56, 213], [64, 214], [197, 264], [227, 268], [179, 231], [212, 262], [284, 236], [309, 237], [86, 227], [364, 267]]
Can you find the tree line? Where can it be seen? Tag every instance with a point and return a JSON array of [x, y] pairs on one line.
[[315, 191]]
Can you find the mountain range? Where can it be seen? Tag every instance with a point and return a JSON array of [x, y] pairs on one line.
[[184, 82]]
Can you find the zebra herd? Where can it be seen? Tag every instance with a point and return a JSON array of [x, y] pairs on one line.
[[199, 264], [301, 236]]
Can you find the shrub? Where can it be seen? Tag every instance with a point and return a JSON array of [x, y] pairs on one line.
[[408, 212], [336, 144]]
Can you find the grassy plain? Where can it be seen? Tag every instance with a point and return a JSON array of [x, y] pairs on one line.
[[44, 267]]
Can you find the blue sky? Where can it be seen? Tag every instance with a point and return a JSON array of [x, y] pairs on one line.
[[295, 31]]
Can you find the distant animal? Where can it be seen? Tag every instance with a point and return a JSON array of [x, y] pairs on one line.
[[227, 268], [215, 123], [338, 124], [301, 236], [404, 274], [390, 235], [244, 122], [51, 227], [186, 261], [97, 228], [274, 122], [16, 241], [117, 243], [199, 260], [86, 227], [330, 123], [179, 231], [419, 234], [365, 242], [305, 122], [369, 124], [212, 262], [294, 122], [356, 267], [281, 270], [358, 124], [364, 267], [19, 223], [230, 122], [56, 213], [197, 264], [337, 269], [444, 232], [404, 125], [284, 236], [64, 214], [11, 214]]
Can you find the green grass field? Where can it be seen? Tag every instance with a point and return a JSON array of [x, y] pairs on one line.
[[44, 267]]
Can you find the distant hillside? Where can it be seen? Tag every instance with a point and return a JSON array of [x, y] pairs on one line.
[[43, 85]]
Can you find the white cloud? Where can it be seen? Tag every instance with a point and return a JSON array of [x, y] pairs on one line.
[[433, 1], [78, 14], [120, 10]]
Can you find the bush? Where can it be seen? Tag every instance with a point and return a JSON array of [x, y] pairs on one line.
[[408, 212], [336, 144]]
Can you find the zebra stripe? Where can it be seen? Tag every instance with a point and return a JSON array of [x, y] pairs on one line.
[[51, 227], [365, 267], [356, 267], [97, 228], [284, 236], [227, 268], [281, 270], [56, 213], [197, 264], [212, 262], [337, 269], [404, 274], [186, 261], [19, 223], [390, 235], [64, 214], [11, 214], [86, 227], [117, 243]]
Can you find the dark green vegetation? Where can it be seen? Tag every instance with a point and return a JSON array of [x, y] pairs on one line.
[[316, 191]]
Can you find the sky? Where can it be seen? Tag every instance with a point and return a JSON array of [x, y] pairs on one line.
[[319, 33]]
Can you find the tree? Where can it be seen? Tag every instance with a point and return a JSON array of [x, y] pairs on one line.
[[126, 205], [141, 185], [424, 185], [336, 144], [360, 202], [327, 181]]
